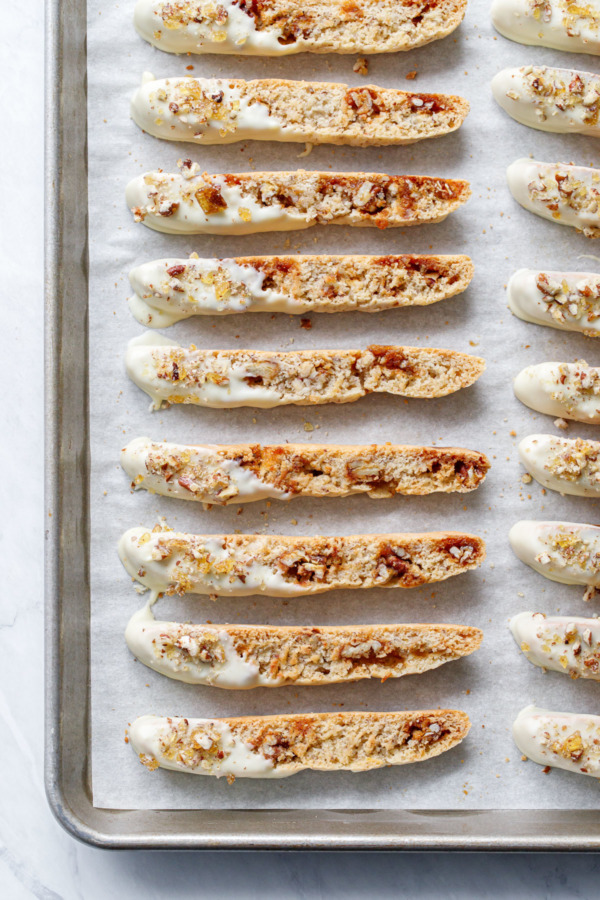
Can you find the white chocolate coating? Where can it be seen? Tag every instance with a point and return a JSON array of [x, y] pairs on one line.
[[567, 552], [147, 737], [233, 391], [565, 740], [148, 640], [568, 301], [569, 466], [226, 30], [206, 287], [233, 118], [563, 194], [565, 101], [560, 24], [179, 212], [141, 554], [243, 486], [568, 644], [569, 390]]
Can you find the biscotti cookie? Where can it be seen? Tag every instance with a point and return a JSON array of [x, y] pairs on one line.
[[240, 473], [222, 111], [567, 552], [569, 644], [569, 390], [564, 194], [239, 565], [569, 466], [168, 290], [169, 373], [280, 27], [566, 101], [569, 301], [560, 24], [237, 657], [565, 740], [278, 746], [198, 203]]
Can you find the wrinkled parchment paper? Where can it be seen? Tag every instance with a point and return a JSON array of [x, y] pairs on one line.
[[486, 771]]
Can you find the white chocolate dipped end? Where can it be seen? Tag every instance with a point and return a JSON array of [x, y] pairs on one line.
[[240, 657], [232, 386], [227, 480], [568, 390], [175, 204], [223, 28], [569, 466], [191, 202], [181, 652], [560, 24], [564, 740], [563, 194], [568, 644], [565, 101], [281, 745], [214, 111], [215, 750], [208, 567], [239, 565], [568, 301], [168, 290], [282, 27], [567, 552]]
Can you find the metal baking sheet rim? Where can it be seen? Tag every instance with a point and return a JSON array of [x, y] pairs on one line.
[[67, 740]]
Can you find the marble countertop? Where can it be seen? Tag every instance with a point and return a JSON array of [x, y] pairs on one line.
[[37, 859]]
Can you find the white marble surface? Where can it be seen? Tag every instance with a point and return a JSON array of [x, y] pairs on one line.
[[36, 858]]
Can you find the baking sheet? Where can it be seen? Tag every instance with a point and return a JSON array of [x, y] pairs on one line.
[[486, 770]]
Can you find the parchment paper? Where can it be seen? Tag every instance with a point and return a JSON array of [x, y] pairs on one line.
[[486, 771]]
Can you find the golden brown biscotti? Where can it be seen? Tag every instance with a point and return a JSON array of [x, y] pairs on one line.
[[168, 290], [239, 657], [194, 202], [220, 379], [238, 473], [170, 562], [225, 110], [281, 27], [278, 746]]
